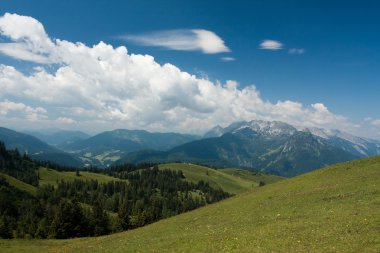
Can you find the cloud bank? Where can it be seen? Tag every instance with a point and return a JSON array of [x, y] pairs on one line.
[[102, 87], [184, 40]]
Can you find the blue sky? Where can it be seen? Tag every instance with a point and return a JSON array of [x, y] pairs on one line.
[[330, 52]]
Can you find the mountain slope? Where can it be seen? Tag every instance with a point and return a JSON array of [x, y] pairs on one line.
[[301, 153], [36, 148], [335, 209], [107, 147]]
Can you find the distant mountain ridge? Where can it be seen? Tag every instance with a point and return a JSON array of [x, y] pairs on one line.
[[36, 148], [59, 138], [359, 146], [269, 128], [107, 147], [270, 146]]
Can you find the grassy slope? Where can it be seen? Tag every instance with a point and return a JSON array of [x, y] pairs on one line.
[[330, 210], [20, 184], [225, 178], [48, 176], [252, 175]]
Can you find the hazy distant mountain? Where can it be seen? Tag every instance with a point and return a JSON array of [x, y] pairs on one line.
[[358, 146], [59, 138], [105, 148], [36, 148], [217, 131], [274, 147]]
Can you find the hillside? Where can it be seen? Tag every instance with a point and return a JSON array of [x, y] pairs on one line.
[[64, 204], [230, 180], [252, 175], [19, 184], [50, 176], [335, 209]]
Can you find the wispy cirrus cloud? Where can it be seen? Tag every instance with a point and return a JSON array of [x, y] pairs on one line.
[[202, 40], [271, 45], [276, 45], [227, 59], [22, 52], [296, 50]]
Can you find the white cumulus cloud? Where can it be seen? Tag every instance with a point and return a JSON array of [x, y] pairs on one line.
[[30, 39], [20, 110], [101, 87], [182, 39], [271, 45]]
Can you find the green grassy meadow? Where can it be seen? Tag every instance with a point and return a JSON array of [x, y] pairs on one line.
[[230, 180], [336, 209], [49, 176]]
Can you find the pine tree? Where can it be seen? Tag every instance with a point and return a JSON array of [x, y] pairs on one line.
[[5, 227], [123, 215], [99, 220], [68, 221]]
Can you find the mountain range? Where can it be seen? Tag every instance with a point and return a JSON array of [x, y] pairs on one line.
[[59, 138], [269, 146]]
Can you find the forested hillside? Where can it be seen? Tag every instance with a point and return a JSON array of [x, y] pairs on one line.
[[81, 206]]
